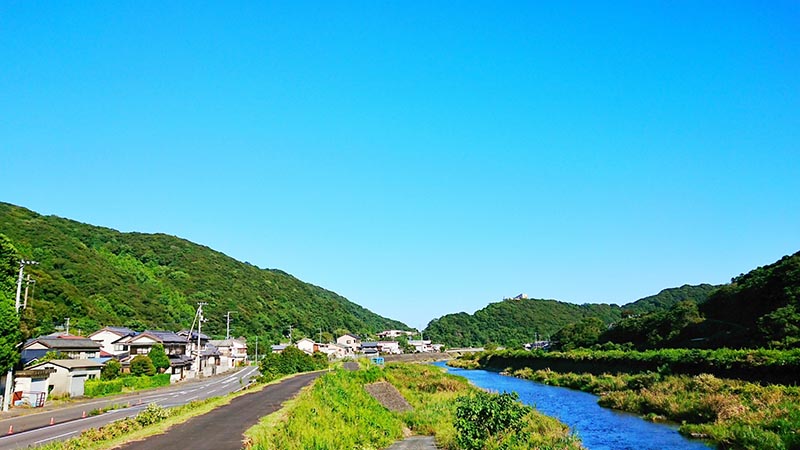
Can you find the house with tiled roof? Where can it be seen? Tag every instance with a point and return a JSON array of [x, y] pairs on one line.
[[68, 346], [108, 338]]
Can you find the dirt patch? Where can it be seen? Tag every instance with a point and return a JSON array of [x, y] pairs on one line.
[[388, 396]]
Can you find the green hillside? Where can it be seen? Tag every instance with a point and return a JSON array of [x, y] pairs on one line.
[[513, 322], [99, 276], [667, 298], [761, 307]]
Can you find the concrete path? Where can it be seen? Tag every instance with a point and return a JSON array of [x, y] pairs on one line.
[[415, 443], [222, 428]]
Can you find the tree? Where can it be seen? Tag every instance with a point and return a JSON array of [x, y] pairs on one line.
[[10, 334], [111, 370], [159, 358], [142, 365]]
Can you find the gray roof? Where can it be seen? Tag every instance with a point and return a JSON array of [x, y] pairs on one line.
[[65, 343], [71, 363], [122, 331], [165, 337]]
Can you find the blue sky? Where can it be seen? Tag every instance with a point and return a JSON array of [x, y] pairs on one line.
[[416, 157]]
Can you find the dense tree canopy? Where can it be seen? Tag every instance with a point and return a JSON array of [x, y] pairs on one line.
[[99, 276], [514, 322], [10, 334]]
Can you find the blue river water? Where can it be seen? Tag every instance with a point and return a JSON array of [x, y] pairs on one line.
[[598, 428]]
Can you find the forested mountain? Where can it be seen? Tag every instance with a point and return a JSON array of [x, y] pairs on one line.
[[761, 307], [667, 298], [98, 276], [513, 322]]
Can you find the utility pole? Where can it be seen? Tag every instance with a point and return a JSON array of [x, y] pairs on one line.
[[199, 327], [10, 375], [228, 325], [256, 350], [67, 326], [290, 334], [320, 335], [28, 282]]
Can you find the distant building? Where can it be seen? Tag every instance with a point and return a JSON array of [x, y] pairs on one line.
[[522, 296], [395, 333], [349, 340]]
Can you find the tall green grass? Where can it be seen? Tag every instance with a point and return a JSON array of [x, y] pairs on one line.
[[337, 413]]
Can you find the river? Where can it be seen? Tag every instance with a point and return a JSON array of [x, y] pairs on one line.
[[598, 428]]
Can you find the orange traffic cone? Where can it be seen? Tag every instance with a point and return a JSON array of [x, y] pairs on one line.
[[52, 421], [83, 416], [11, 429]]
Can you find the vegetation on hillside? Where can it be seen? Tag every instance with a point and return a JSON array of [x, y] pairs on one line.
[[99, 276], [761, 307], [669, 297], [758, 309], [513, 322], [9, 320], [290, 361]]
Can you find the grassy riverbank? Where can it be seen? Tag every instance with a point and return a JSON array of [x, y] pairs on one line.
[[337, 413], [732, 413]]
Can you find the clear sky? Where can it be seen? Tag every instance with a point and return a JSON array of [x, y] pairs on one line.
[[419, 158]]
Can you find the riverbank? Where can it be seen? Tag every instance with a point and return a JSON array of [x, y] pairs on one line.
[[347, 417], [729, 412]]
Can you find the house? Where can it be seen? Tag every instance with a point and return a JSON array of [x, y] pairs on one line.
[[209, 355], [233, 352], [68, 346], [107, 337], [174, 346], [421, 346], [335, 351], [369, 348], [394, 333], [389, 347], [349, 340], [67, 376], [279, 348], [307, 345]]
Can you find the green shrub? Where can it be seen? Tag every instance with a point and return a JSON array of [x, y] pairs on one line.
[[152, 414], [142, 365], [111, 370], [482, 415]]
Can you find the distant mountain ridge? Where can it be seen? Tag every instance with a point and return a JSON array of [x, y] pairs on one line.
[[513, 322], [99, 276]]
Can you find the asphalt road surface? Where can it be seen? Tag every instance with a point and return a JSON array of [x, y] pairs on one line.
[[223, 428], [35, 429]]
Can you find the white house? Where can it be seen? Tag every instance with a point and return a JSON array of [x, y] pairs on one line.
[[107, 337], [307, 345], [389, 347], [69, 375], [335, 351], [421, 346], [349, 340], [395, 333]]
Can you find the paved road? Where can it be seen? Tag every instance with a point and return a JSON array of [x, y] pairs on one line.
[[415, 443], [223, 428], [35, 429]]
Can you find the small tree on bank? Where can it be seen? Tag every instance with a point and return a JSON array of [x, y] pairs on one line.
[[111, 370], [159, 358], [142, 365]]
